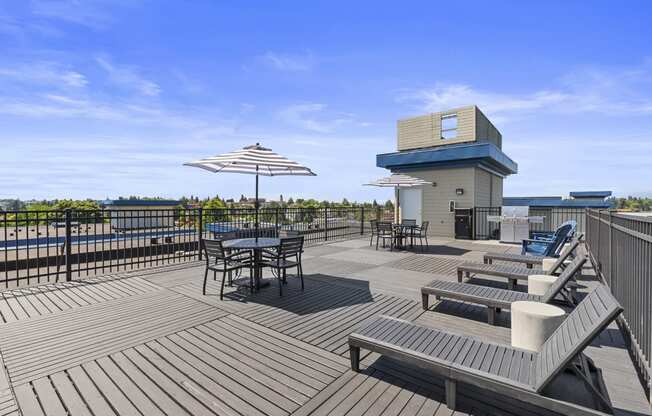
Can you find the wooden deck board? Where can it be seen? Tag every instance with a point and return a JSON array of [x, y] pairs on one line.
[[25, 303], [41, 346], [183, 374], [150, 343], [325, 317]]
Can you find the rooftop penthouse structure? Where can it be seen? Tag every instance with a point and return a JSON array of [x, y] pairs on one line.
[[459, 151]]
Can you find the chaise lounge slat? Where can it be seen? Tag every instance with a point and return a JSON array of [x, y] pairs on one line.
[[512, 273], [495, 298], [529, 260], [520, 374]]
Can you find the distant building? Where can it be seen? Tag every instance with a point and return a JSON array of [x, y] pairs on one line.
[[583, 199], [128, 214]]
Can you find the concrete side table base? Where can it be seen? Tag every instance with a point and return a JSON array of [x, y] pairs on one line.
[[533, 323], [547, 263], [538, 284]]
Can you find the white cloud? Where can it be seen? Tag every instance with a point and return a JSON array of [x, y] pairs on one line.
[[317, 118], [303, 115], [95, 14], [44, 73], [128, 77], [68, 107], [617, 92], [246, 108], [288, 62]]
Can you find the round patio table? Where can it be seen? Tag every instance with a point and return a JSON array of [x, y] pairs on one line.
[[403, 231], [256, 245]]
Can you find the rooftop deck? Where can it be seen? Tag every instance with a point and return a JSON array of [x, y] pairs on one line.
[[149, 343]]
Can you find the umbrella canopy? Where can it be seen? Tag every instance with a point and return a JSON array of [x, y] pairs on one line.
[[397, 180], [253, 160]]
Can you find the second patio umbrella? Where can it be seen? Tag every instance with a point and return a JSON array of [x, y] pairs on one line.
[[253, 160], [397, 181]]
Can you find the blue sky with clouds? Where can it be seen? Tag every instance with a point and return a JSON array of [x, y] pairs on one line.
[[102, 98]]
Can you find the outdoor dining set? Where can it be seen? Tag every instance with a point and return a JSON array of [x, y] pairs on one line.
[[231, 256], [398, 234]]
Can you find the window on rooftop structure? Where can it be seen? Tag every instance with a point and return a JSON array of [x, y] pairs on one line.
[[449, 126]]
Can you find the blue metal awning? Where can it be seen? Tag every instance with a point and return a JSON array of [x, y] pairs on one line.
[[478, 154], [590, 194], [555, 202]]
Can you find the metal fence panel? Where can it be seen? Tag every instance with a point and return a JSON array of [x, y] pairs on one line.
[[620, 247], [46, 246], [553, 217]]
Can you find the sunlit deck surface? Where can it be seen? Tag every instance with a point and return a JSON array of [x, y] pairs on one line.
[[148, 342]]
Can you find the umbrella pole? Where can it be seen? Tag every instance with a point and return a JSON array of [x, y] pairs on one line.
[[256, 204]]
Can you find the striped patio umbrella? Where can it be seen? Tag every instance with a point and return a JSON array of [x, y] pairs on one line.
[[252, 160], [397, 180]]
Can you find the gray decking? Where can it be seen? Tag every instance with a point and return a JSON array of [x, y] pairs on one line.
[[149, 343]]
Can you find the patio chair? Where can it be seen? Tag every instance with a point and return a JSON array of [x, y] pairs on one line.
[[496, 299], [374, 230], [409, 229], [421, 233], [218, 259], [548, 247], [286, 256], [530, 260], [385, 232], [512, 273], [501, 369]]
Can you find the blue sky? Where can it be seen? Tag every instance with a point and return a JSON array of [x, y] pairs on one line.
[[103, 98]]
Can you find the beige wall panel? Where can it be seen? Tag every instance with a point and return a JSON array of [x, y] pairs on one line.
[[497, 189], [435, 199], [483, 188], [414, 133], [485, 130]]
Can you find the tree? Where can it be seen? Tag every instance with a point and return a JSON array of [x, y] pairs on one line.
[[215, 203]]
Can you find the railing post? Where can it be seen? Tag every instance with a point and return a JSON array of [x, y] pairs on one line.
[[325, 223], [276, 221], [67, 244], [201, 230], [362, 220], [598, 259], [612, 279]]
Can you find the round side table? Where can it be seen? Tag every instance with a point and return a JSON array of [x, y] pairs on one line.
[[547, 263], [533, 323], [538, 284]]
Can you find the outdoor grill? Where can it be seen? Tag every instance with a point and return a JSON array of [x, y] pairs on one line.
[[515, 223]]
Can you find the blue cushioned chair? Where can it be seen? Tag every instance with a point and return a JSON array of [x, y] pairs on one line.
[[549, 247]]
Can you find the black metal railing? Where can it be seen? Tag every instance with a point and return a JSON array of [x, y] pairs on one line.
[[483, 229], [56, 245], [620, 248], [553, 217]]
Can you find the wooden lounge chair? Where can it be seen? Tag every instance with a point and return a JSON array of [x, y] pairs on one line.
[[496, 299], [528, 260], [516, 373], [512, 273]]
